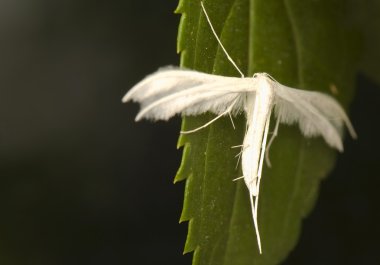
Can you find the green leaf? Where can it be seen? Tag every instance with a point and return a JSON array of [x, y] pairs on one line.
[[303, 44]]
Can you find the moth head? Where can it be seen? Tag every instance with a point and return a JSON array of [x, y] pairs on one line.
[[257, 75]]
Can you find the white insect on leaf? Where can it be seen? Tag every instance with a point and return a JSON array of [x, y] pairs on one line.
[[171, 91]]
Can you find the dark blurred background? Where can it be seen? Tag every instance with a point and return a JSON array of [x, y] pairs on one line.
[[81, 183]]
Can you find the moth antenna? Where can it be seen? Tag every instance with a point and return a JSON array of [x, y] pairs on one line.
[[220, 43], [238, 178], [274, 135]]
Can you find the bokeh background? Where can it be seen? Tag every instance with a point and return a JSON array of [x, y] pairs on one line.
[[81, 183]]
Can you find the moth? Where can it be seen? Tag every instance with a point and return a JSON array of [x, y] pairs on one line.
[[172, 90]]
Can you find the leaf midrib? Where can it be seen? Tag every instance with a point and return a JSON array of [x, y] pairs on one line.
[[210, 130], [234, 207], [301, 154]]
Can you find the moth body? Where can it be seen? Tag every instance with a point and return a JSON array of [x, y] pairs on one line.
[[258, 107]]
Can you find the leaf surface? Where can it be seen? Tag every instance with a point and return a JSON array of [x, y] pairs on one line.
[[303, 44]]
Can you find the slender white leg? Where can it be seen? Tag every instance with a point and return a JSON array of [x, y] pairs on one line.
[[237, 146], [262, 154], [232, 121], [238, 160], [210, 122], [274, 135], [255, 222], [240, 153], [205, 125], [242, 150]]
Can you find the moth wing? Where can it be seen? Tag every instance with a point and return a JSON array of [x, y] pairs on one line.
[[316, 113], [172, 90], [165, 81]]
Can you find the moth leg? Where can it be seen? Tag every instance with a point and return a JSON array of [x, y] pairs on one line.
[[205, 125], [262, 154], [242, 150], [236, 146], [237, 162], [239, 154], [254, 216], [216, 118], [232, 121], [274, 135], [238, 178]]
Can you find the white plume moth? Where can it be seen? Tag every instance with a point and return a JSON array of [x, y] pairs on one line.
[[171, 91]]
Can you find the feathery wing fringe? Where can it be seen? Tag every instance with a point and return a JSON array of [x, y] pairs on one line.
[[317, 114], [171, 91]]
